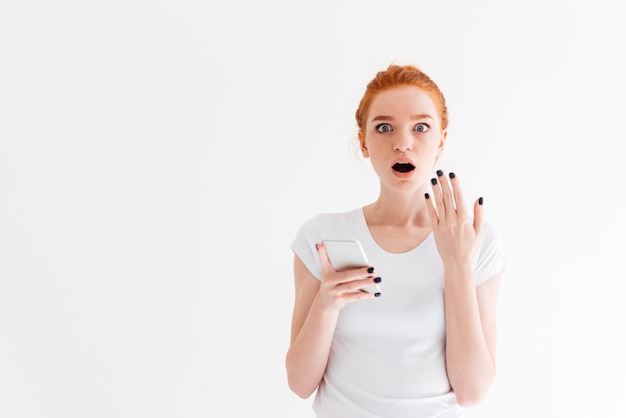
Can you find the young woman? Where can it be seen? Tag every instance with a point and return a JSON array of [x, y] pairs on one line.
[[425, 345]]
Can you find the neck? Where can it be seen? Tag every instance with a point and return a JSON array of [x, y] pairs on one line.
[[399, 209]]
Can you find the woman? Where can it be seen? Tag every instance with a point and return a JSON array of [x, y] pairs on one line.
[[425, 345]]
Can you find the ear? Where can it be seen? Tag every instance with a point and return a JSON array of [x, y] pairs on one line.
[[363, 145], [442, 142]]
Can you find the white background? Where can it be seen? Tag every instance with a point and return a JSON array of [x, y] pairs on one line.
[[157, 158]]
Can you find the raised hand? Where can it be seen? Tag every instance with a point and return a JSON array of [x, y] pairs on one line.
[[456, 233]]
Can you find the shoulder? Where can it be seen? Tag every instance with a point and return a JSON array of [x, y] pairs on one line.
[[489, 233], [490, 258], [490, 237], [329, 221]]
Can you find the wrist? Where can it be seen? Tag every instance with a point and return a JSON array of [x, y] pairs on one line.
[[459, 268], [323, 307]]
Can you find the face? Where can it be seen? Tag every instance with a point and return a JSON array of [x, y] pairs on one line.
[[403, 137]]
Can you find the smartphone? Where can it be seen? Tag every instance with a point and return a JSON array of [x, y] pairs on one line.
[[345, 254]]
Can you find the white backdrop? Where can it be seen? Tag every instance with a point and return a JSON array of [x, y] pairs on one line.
[[157, 157]]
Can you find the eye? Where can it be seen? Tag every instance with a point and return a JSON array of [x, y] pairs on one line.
[[383, 127], [421, 127]]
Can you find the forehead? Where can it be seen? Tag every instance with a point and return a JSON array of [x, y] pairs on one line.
[[402, 101]]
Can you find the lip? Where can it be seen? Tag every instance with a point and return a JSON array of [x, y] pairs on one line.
[[400, 174], [403, 160]]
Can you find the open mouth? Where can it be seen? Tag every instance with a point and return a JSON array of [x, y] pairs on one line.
[[403, 167]]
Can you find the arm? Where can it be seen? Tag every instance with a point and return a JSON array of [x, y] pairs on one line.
[[316, 310], [470, 334], [308, 352], [470, 311]]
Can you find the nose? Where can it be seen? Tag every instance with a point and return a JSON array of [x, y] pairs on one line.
[[403, 142]]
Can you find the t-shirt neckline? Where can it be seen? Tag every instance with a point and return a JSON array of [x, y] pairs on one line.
[[369, 241]]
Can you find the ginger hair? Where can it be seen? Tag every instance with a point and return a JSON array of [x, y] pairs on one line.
[[398, 76]]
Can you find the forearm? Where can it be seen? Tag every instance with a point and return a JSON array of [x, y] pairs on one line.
[[470, 363], [308, 354]]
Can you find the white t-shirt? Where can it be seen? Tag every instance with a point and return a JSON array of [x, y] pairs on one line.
[[387, 357]]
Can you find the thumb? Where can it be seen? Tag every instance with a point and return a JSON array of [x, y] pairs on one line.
[[323, 256]]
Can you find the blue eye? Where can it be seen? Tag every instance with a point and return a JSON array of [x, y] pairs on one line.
[[383, 127], [421, 127]]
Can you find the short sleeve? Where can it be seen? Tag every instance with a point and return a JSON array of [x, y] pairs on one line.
[[490, 259], [303, 246]]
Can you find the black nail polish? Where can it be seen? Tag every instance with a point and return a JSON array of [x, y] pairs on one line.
[[377, 294], [377, 280], [439, 173], [426, 195], [480, 201], [433, 181], [370, 270], [316, 247], [452, 175]]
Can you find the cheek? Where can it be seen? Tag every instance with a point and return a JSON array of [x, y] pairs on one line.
[[434, 142], [377, 155]]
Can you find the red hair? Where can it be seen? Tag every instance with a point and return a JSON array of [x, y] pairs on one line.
[[397, 76]]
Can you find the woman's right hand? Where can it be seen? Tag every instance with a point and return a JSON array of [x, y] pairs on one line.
[[341, 287]]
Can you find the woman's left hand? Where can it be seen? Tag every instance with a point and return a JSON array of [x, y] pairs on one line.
[[456, 233]]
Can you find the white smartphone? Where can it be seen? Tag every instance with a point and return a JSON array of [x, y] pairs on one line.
[[345, 254]]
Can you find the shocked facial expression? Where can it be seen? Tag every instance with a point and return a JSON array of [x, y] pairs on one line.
[[403, 136]]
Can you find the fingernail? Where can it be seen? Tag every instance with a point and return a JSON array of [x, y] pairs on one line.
[[316, 247], [378, 280], [433, 181], [480, 201], [377, 294], [452, 175], [370, 270], [439, 173], [426, 195]]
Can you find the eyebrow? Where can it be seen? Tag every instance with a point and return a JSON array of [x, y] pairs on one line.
[[413, 117]]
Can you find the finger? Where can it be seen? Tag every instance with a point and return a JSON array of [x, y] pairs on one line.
[[478, 216], [438, 198], [432, 211], [358, 285], [446, 192], [357, 295], [327, 268], [459, 199]]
